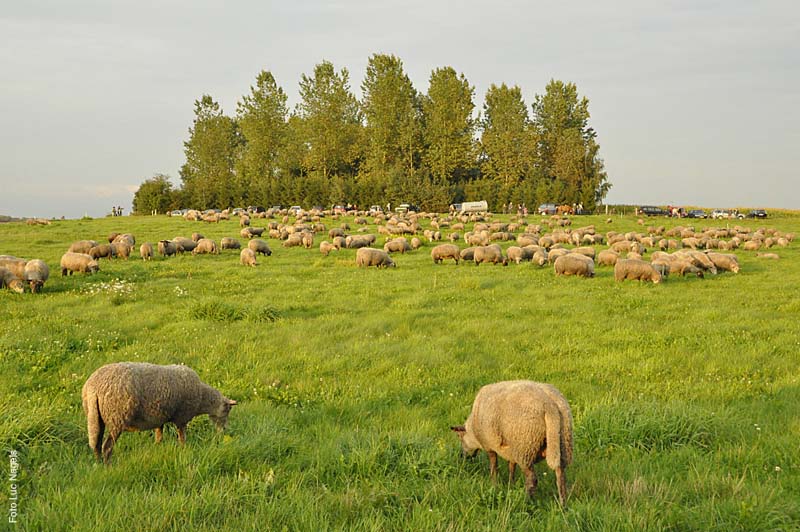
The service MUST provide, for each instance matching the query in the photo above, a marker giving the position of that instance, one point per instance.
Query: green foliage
(154, 195)
(684, 394)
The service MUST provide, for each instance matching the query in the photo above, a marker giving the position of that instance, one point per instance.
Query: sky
(695, 102)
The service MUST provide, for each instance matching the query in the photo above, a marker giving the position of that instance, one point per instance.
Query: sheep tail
(552, 421)
(94, 422)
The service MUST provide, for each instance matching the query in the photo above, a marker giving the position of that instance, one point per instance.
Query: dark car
(649, 210)
(757, 213)
(696, 213)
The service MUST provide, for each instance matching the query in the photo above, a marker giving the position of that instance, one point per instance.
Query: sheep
(773, 256)
(587, 251)
(374, 257)
(229, 243)
(633, 255)
(490, 254)
(36, 274)
(184, 244)
(416, 243)
(574, 264)
(167, 248)
(103, 251)
(699, 259)
(293, 240)
(197, 237)
(146, 251)
(359, 241)
(121, 249)
(127, 238)
(396, 245)
(527, 240)
(724, 261)
(78, 262)
(467, 254)
(336, 231)
(326, 247)
(253, 232)
(307, 239)
(112, 236)
(445, 251)
(607, 257)
(682, 266)
(339, 242)
(555, 253)
(635, 270)
(524, 422)
(518, 254)
(662, 267)
(244, 221)
(454, 237)
(248, 257)
(539, 257)
(259, 246)
(82, 246)
(205, 245)
(137, 396)
(11, 281)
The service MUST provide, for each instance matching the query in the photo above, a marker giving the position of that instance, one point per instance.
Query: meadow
(685, 394)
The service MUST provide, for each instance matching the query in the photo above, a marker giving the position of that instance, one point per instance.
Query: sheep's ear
(459, 428)
(231, 402)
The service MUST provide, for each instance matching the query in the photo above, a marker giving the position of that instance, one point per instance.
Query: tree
(331, 120)
(154, 195)
(393, 132)
(209, 176)
(262, 116)
(449, 127)
(507, 143)
(568, 153)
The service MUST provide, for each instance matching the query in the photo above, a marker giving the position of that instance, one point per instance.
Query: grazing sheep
(699, 259)
(633, 255)
(683, 267)
(607, 257)
(524, 422)
(339, 242)
(467, 254)
(724, 261)
(167, 248)
(416, 243)
(574, 264)
(773, 256)
(586, 251)
(374, 257)
(662, 267)
(244, 221)
(82, 246)
(103, 251)
(635, 270)
(307, 239)
(229, 243)
(184, 244)
(146, 251)
(197, 237)
(293, 240)
(259, 246)
(205, 245)
(336, 231)
(121, 249)
(539, 257)
(11, 281)
(139, 396)
(517, 254)
(445, 251)
(326, 247)
(248, 257)
(359, 241)
(36, 274)
(752, 245)
(554, 253)
(490, 254)
(127, 238)
(397, 245)
(454, 237)
(78, 262)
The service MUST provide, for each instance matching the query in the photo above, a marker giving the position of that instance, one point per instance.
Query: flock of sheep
(521, 421)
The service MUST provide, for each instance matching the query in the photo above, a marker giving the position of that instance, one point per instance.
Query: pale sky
(695, 102)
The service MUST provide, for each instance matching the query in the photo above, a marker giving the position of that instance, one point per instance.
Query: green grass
(685, 395)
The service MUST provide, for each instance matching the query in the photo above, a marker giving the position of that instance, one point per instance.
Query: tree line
(394, 145)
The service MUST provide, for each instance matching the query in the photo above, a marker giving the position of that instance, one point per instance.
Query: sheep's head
(469, 445)
(36, 286)
(219, 414)
(16, 285)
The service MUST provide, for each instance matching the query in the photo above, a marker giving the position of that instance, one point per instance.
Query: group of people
(116, 211)
(522, 209)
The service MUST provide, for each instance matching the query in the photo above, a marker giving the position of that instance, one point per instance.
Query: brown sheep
(574, 264)
(259, 246)
(247, 257)
(490, 254)
(82, 246)
(445, 251)
(102, 251)
(229, 243)
(167, 248)
(11, 281)
(205, 245)
(146, 251)
(635, 270)
(366, 257)
(607, 257)
(724, 261)
(78, 262)
(326, 247)
(397, 245)
(467, 254)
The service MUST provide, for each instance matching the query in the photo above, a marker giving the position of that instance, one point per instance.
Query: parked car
(649, 210)
(406, 207)
(375, 209)
(696, 213)
(547, 208)
(339, 209)
(757, 213)
(724, 214)
(295, 209)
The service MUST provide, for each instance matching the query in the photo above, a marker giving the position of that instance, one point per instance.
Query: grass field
(685, 395)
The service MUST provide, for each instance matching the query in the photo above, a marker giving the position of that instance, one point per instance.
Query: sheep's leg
(561, 480)
(159, 433)
(108, 445)
(530, 479)
(493, 466)
(512, 468)
(96, 438)
(182, 434)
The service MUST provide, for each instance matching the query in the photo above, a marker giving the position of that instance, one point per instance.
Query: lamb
(724, 261)
(607, 257)
(490, 254)
(103, 251)
(229, 243)
(167, 248)
(78, 262)
(137, 396)
(36, 274)
(82, 246)
(574, 264)
(121, 249)
(259, 246)
(397, 245)
(11, 281)
(248, 257)
(146, 251)
(635, 270)
(524, 422)
(445, 251)
(326, 247)
(374, 257)
(205, 245)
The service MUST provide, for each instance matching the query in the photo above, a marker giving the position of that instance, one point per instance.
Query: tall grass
(684, 394)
